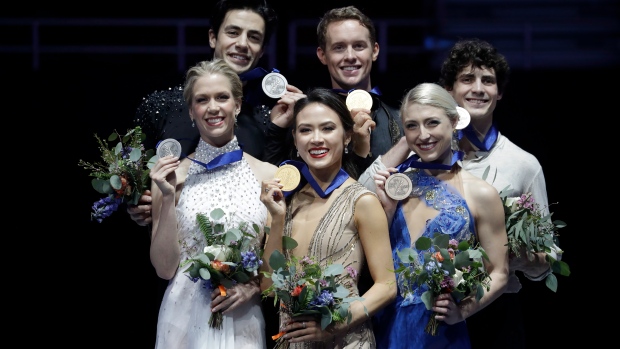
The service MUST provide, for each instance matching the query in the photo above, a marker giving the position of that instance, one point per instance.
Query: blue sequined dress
(402, 323)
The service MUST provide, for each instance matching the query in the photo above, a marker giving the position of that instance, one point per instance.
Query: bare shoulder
(479, 189)
(262, 170)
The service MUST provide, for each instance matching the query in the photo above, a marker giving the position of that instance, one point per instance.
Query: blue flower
(324, 299)
(250, 261)
(104, 208)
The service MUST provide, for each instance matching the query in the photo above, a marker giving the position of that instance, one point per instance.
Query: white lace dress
(186, 306)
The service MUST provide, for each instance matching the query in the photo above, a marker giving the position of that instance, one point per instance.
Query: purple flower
(250, 261)
(104, 208)
(125, 152)
(352, 272)
(324, 299)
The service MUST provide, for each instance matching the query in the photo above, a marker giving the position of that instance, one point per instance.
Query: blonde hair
(215, 66)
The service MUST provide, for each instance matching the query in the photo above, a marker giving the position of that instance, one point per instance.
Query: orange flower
(219, 266)
(438, 256)
(297, 291)
(222, 290)
(278, 335)
(123, 187)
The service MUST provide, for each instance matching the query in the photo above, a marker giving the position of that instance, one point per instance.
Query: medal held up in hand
(289, 177)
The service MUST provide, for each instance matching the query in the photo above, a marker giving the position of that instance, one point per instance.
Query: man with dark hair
(239, 33)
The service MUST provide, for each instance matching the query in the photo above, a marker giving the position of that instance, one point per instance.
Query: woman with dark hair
(334, 219)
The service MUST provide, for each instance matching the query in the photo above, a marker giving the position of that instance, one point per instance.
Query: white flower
(458, 278)
(219, 251)
(511, 202)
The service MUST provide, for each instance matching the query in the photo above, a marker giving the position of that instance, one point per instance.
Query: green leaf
(441, 240)
(407, 255)
(461, 260)
(115, 182)
(135, 154)
(152, 161)
(241, 277)
(233, 234)
(423, 243)
(113, 137)
(427, 298)
(277, 260)
(326, 317)
(552, 282)
(204, 259)
(333, 269)
(560, 267)
(217, 214)
(341, 292)
(118, 148)
(204, 273)
(288, 243)
(102, 186)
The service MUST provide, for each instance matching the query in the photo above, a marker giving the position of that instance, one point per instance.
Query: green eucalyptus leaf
(204, 273)
(427, 299)
(115, 182)
(135, 154)
(407, 255)
(423, 243)
(102, 186)
(552, 282)
(277, 260)
(118, 148)
(333, 269)
(288, 243)
(326, 317)
(441, 240)
(113, 137)
(217, 214)
(152, 161)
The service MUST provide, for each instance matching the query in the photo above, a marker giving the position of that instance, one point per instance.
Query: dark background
(71, 72)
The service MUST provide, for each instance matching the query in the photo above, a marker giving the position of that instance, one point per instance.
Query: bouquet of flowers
(531, 231)
(231, 256)
(303, 287)
(445, 266)
(124, 173)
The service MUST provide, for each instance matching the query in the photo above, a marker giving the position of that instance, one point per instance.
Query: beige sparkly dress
(335, 240)
(186, 306)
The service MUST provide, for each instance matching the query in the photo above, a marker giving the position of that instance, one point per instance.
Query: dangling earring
(298, 153)
(193, 123)
(346, 149)
(236, 113)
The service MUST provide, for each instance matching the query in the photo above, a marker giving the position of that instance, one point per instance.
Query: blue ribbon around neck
(489, 138)
(222, 159)
(340, 178)
(412, 161)
(374, 90)
(255, 74)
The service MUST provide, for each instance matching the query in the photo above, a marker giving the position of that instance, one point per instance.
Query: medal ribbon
(412, 161)
(374, 90)
(489, 138)
(221, 160)
(340, 178)
(255, 74)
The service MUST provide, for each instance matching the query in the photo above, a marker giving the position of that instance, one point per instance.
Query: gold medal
(359, 99)
(289, 177)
